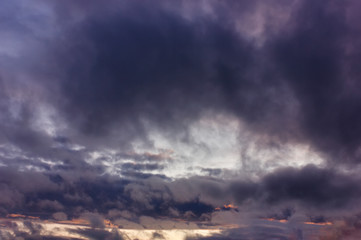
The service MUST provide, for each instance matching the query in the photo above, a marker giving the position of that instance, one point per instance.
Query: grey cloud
(153, 65)
(167, 87)
(115, 73)
(60, 216)
(137, 166)
(313, 58)
(122, 70)
(311, 189)
(99, 234)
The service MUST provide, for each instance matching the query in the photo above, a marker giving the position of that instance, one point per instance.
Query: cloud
(101, 109)
(311, 190)
(321, 188)
(150, 65)
(60, 216)
(98, 234)
(120, 72)
(313, 58)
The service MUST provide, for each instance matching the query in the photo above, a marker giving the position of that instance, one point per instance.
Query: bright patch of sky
(214, 142)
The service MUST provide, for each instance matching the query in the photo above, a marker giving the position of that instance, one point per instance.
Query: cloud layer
(172, 109)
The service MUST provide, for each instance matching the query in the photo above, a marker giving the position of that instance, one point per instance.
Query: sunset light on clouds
(180, 119)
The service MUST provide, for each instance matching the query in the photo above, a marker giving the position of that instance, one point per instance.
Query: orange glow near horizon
(277, 220)
(109, 224)
(15, 215)
(226, 206)
(319, 224)
(80, 221)
(75, 221)
(230, 206)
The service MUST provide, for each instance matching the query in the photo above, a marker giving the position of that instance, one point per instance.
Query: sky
(181, 119)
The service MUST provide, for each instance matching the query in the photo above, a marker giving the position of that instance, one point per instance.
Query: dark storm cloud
(313, 191)
(118, 69)
(123, 69)
(144, 66)
(310, 189)
(116, 72)
(148, 64)
(316, 59)
(321, 188)
(139, 65)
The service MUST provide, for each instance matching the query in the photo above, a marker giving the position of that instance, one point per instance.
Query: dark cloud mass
(149, 64)
(181, 114)
(314, 56)
(310, 187)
